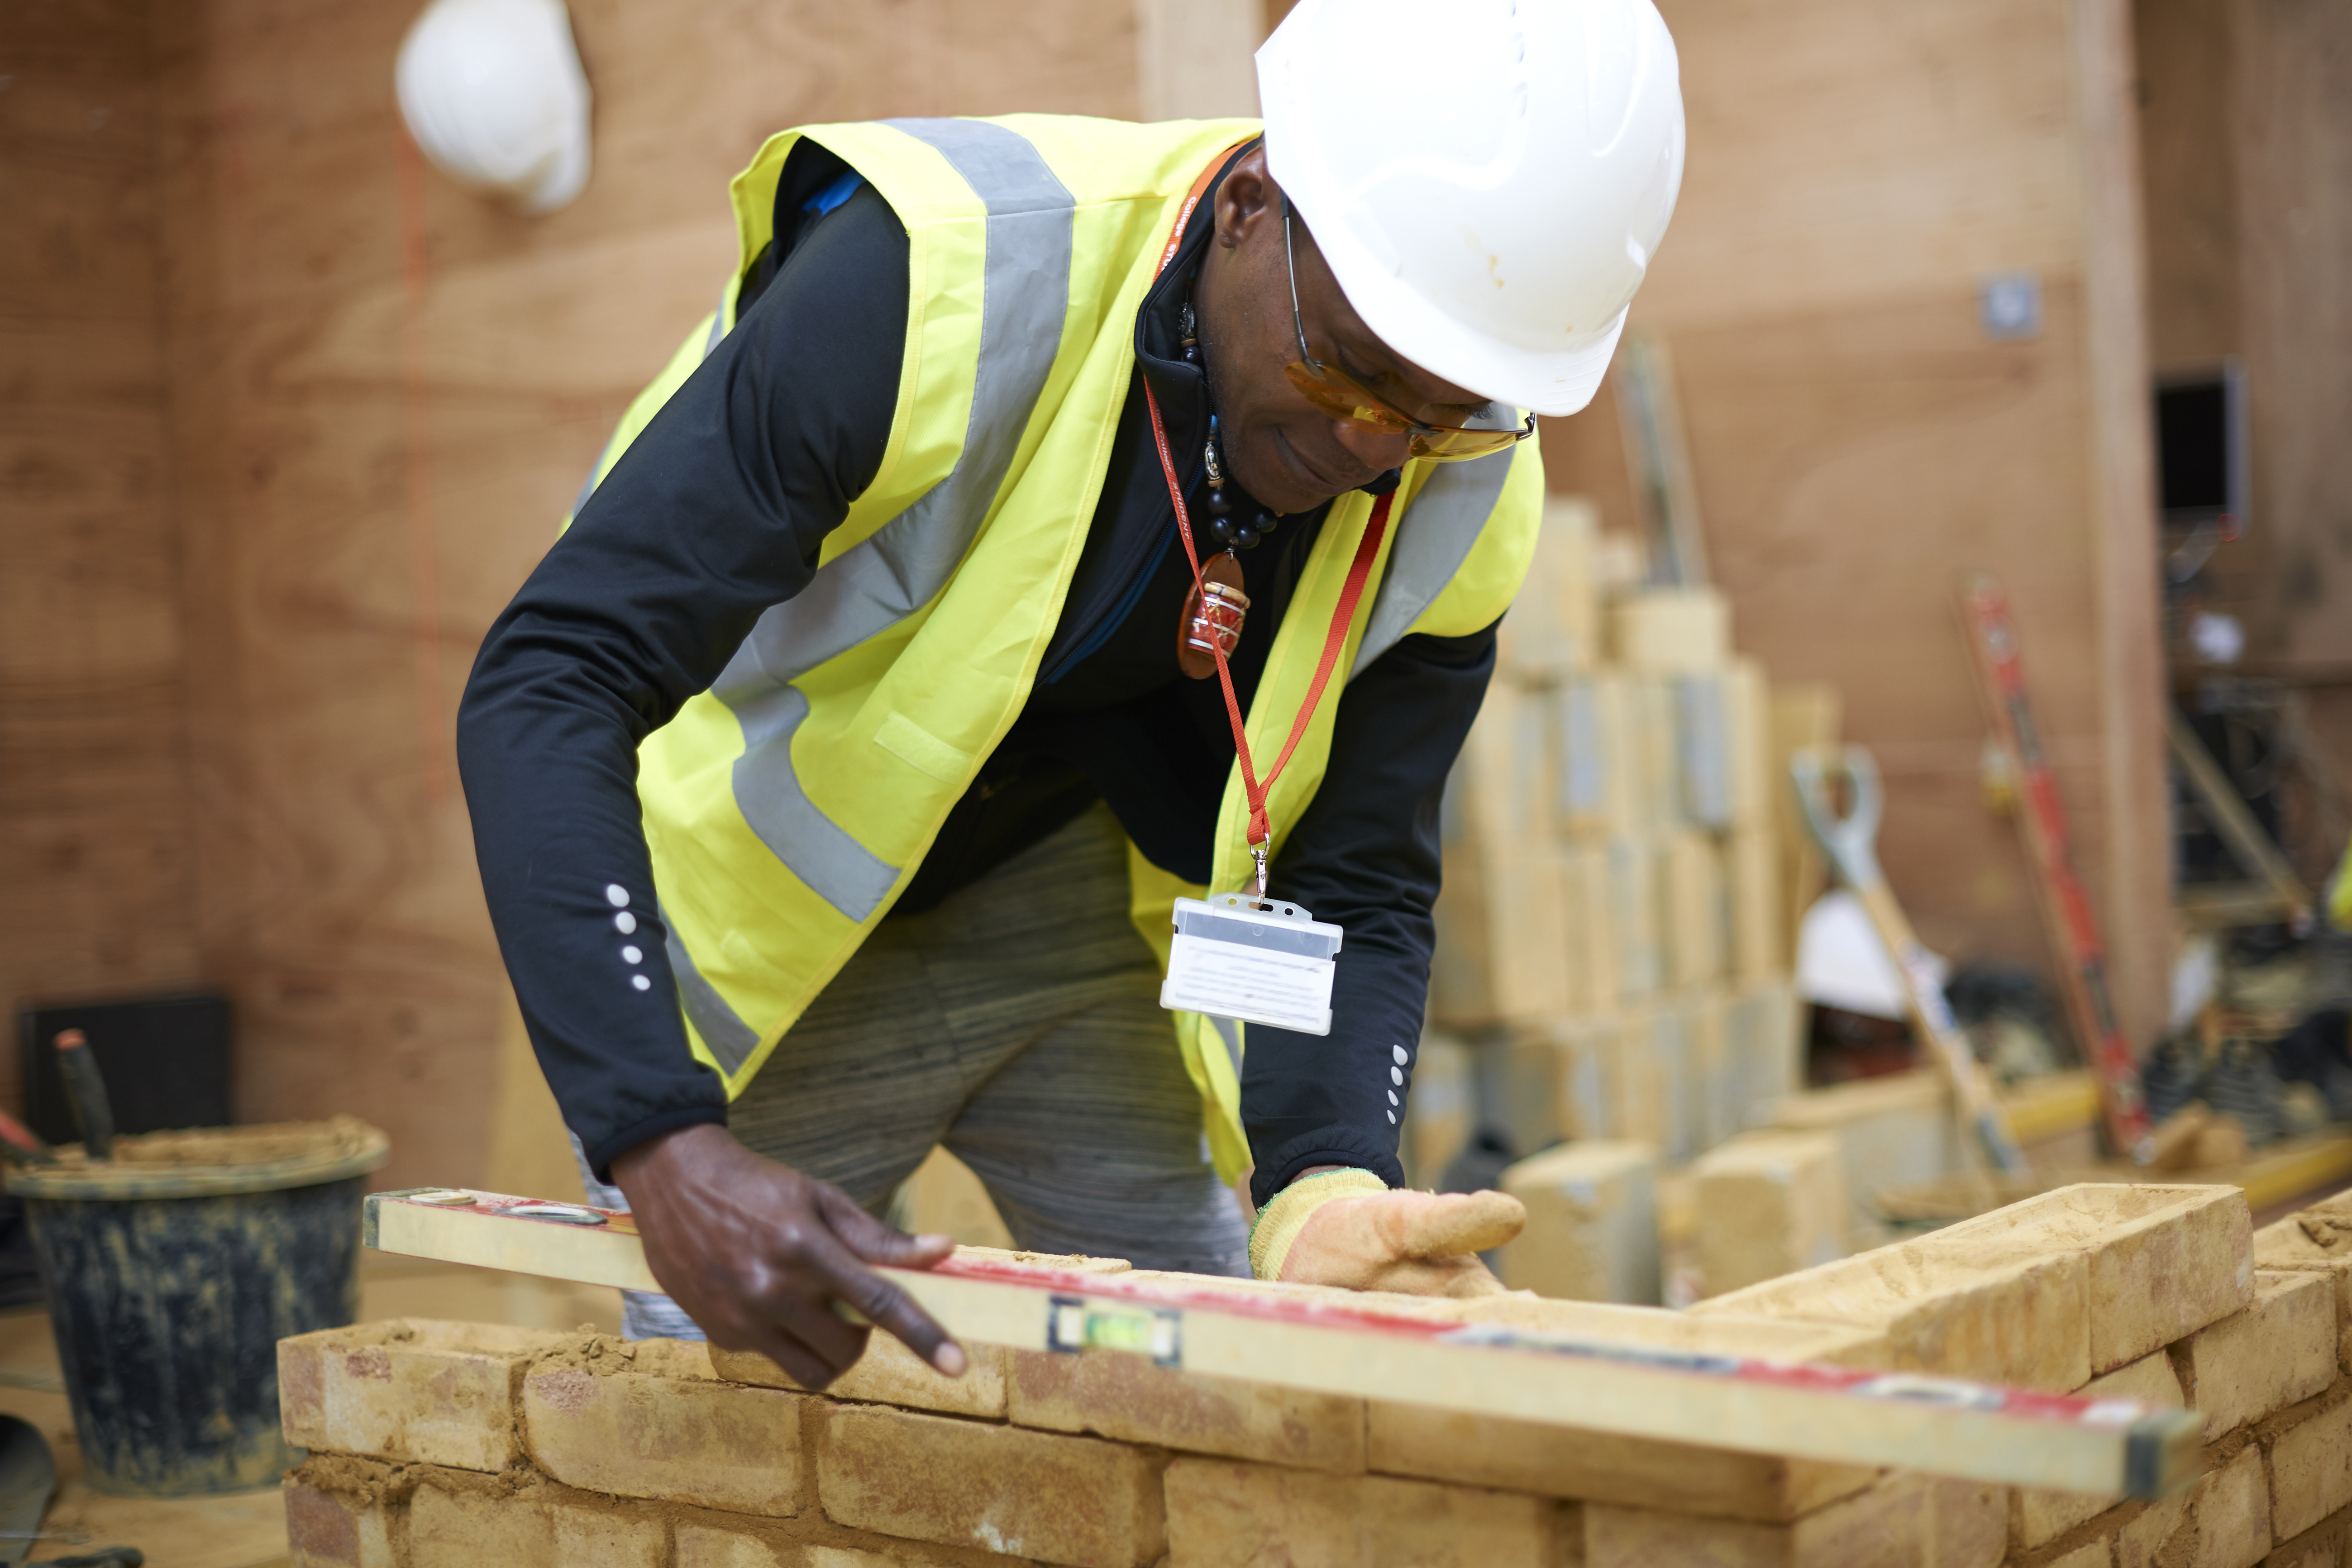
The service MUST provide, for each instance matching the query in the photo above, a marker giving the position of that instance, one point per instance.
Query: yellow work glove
(1347, 1228)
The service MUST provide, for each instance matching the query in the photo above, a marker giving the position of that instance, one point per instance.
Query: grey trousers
(1019, 1023)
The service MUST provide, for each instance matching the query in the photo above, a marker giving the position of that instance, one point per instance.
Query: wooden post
(2138, 869)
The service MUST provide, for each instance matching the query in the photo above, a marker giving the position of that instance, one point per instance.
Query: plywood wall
(2246, 130)
(226, 744)
(2290, 102)
(97, 884)
(1855, 170)
(373, 453)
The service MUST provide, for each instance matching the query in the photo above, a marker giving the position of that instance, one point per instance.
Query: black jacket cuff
(1324, 1146)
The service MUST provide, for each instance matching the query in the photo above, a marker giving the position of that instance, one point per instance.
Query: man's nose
(1377, 450)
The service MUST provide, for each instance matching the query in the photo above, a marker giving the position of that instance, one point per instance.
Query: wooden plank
(1322, 1343)
(98, 891)
(2137, 921)
(2289, 126)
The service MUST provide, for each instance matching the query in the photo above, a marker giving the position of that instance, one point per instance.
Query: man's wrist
(667, 1150)
(1279, 1223)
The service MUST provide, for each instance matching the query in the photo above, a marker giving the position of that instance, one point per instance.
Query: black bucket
(171, 1281)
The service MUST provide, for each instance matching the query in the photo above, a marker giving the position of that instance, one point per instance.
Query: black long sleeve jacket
(718, 510)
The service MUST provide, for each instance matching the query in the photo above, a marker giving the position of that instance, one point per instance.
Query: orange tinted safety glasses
(1343, 397)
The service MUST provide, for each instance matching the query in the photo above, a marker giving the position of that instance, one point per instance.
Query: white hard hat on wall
(493, 92)
(1490, 196)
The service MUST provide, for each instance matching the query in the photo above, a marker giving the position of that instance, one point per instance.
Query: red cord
(1359, 572)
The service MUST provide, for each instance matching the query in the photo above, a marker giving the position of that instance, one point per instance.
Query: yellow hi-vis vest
(787, 807)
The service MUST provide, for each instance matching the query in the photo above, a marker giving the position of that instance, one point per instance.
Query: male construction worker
(1058, 518)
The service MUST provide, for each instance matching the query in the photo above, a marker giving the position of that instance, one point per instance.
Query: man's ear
(1246, 197)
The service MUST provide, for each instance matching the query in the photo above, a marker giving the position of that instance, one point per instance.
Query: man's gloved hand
(1347, 1228)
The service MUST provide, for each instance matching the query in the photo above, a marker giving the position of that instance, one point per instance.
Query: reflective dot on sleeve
(624, 922)
(616, 895)
(632, 954)
(641, 983)
(1402, 1059)
(1396, 1076)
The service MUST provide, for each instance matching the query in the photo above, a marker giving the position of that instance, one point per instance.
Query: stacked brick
(435, 1445)
(1611, 958)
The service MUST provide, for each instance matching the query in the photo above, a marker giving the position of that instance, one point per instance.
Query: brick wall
(442, 1444)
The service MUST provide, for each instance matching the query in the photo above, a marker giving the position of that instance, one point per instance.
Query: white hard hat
(1486, 178)
(493, 92)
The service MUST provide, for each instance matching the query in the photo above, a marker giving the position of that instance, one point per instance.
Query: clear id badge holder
(1260, 961)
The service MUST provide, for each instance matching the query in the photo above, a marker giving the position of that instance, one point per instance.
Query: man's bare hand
(757, 1253)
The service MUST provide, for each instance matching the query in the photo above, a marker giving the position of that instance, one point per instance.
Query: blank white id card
(1260, 961)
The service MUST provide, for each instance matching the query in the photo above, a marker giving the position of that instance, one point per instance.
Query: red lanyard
(1359, 570)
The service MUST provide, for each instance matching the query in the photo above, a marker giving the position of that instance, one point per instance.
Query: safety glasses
(1343, 397)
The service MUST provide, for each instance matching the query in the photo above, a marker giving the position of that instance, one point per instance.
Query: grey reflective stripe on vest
(1230, 1033)
(904, 564)
(1433, 538)
(588, 485)
(731, 1039)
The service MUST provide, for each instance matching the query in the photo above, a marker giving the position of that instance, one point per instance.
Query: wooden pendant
(1202, 632)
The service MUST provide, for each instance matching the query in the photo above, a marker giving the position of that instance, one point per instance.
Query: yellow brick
(2098, 1554)
(1125, 1397)
(1596, 776)
(2279, 1351)
(1502, 780)
(1711, 1108)
(709, 1546)
(1674, 630)
(1554, 627)
(2319, 1241)
(1751, 869)
(1891, 1131)
(2144, 1534)
(1592, 1223)
(2222, 1522)
(1630, 866)
(713, 1545)
(2311, 1470)
(1769, 1204)
(330, 1530)
(1596, 976)
(1693, 914)
(1997, 1315)
(1071, 1501)
(533, 1529)
(683, 1439)
(888, 1373)
(2164, 1261)
(2323, 1546)
(1227, 1515)
(408, 1389)
(2037, 1516)
(1904, 1520)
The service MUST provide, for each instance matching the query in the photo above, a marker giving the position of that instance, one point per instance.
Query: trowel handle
(85, 1091)
(1850, 841)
